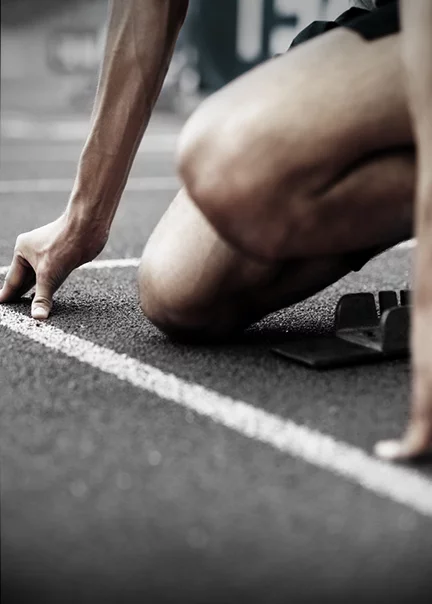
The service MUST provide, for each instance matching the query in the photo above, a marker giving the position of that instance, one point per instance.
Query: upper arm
(417, 58)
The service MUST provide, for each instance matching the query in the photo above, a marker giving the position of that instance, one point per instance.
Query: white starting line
(398, 484)
(98, 264)
(71, 153)
(76, 132)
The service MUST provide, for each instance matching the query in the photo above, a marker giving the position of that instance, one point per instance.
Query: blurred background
(51, 49)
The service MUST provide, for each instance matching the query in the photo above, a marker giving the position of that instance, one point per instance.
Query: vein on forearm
(139, 44)
(138, 48)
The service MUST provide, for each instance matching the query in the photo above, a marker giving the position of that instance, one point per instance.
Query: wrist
(98, 187)
(85, 225)
(83, 209)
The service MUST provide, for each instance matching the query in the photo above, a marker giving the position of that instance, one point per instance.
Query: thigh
(191, 269)
(300, 120)
(191, 278)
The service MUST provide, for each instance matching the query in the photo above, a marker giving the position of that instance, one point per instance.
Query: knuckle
(48, 275)
(42, 301)
(10, 279)
(45, 272)
(43, 275)
(19, 241)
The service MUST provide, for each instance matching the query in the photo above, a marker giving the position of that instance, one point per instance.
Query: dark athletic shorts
(371, 25)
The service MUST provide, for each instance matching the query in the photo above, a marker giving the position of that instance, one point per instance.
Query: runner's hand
(418, 437)
(46, 256)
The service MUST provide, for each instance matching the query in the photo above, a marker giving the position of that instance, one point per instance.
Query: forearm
(417, 57)
(140, 40)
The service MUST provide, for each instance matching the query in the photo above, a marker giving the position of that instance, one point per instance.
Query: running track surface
(139, 470)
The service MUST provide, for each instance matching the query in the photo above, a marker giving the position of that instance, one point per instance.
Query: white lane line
(98, 264)
(75, 131)
(61, 153)
(64, 185)
(400, 485)
(111, 263)
(60, 130)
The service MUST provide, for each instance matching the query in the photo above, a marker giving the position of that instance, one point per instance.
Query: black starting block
(363, 334)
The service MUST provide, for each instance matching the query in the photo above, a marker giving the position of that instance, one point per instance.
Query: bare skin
(140, 42)
(274, 177)
(200, 287)
(417, 56)
(280, 169)
(203, 285)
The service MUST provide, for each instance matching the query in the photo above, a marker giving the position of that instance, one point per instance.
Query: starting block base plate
(326, 352)
(361, 333)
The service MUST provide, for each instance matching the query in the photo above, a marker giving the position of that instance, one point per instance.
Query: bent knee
(211, 159)
(242, 187)
(182, 316)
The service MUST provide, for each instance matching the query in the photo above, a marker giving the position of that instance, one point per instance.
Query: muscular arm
(417, 58)
(139, 45)
(140, 42)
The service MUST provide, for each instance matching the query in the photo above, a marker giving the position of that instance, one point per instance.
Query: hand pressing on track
(45, 257)
(416, 50)
(139, 45)
(417, 440)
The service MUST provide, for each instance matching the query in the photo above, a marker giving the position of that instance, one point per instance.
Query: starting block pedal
(363, 333)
